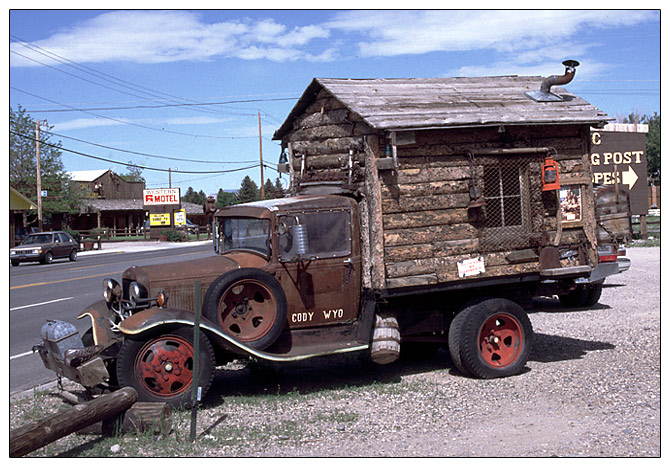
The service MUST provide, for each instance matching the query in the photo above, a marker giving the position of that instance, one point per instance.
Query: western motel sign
(618, 157)
(160, 196)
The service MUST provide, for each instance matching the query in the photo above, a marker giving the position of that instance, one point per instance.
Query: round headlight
(134, 292)
(111, 290)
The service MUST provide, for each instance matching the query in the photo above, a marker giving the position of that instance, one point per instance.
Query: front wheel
(490, 339)
(160, 368)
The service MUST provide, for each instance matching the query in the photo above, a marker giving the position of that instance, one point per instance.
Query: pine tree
(269, 189)
(248, 191)
(224, 198)
(279, 189)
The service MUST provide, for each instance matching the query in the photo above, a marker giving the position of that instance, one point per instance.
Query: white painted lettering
(335, 314)
(596, 139)
(638, 156)
(595, 158)
(302, 317)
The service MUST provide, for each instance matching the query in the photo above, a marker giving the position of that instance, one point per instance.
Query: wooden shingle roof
(423, 103)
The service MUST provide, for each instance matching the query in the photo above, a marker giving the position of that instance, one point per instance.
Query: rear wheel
(73, 255)
(160, 367)
(249, 305)
(490, 339)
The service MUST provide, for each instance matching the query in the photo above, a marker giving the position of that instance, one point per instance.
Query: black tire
(73, 255)
(585, 295)
(160, 366)
(15, 263)
(48, 258)
(249, 305)
(490, 339)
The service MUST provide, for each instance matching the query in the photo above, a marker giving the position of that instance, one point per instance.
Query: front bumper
(25, 257)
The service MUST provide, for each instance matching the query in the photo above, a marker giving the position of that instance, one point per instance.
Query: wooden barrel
(385, 340)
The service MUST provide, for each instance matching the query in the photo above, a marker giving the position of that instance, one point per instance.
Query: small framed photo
(571, 203)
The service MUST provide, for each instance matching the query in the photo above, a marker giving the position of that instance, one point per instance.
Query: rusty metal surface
(319, 291)
(100, 316)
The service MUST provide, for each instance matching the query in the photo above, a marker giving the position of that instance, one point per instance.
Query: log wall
(416, 217)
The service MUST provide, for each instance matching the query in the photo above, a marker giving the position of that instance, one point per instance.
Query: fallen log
(142, 417)
(28, 438)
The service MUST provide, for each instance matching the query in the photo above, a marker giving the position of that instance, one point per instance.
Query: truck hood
(179, 279)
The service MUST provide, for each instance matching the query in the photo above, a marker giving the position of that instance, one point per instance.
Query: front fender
(101, 318)
(155, 318)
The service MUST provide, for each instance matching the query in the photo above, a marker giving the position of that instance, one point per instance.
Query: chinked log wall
(416, 216)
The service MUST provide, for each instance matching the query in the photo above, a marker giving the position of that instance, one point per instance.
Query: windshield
(37, 238)
(245, 234)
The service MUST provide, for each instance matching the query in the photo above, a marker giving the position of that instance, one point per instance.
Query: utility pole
(260, 145)
(39, 175)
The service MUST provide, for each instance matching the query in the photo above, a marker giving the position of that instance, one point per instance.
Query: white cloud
(392, 33)
(82, 123)
(170, 36)
(521, 36)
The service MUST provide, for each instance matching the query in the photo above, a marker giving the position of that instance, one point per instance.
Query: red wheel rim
(165, 365)
(500, 340)
(247, 310)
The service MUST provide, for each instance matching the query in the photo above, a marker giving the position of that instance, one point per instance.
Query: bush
(174, 236)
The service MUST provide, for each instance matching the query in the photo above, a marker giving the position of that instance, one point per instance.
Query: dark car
(44, 247)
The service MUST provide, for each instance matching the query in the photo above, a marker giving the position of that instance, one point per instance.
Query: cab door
(319, 266)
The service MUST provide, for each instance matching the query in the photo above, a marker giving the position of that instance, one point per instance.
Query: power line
(148, 155)
(127, 164)
(176, 100)
(91, 71)
(130, 123)
(141, 107)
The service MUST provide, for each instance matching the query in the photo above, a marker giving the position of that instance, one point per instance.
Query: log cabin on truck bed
(449, 173)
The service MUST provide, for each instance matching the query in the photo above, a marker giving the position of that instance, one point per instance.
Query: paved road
(63, 289)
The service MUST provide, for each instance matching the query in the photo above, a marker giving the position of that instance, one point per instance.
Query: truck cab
(310, 247)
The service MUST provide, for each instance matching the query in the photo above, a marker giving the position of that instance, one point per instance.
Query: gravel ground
(591, 388)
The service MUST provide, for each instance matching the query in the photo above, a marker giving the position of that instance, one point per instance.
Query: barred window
(506, 191)
(502, 191)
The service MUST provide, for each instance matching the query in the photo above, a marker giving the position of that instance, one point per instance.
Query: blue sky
(183, 89)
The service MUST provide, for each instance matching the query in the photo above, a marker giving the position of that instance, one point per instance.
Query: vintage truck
(422, 213)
